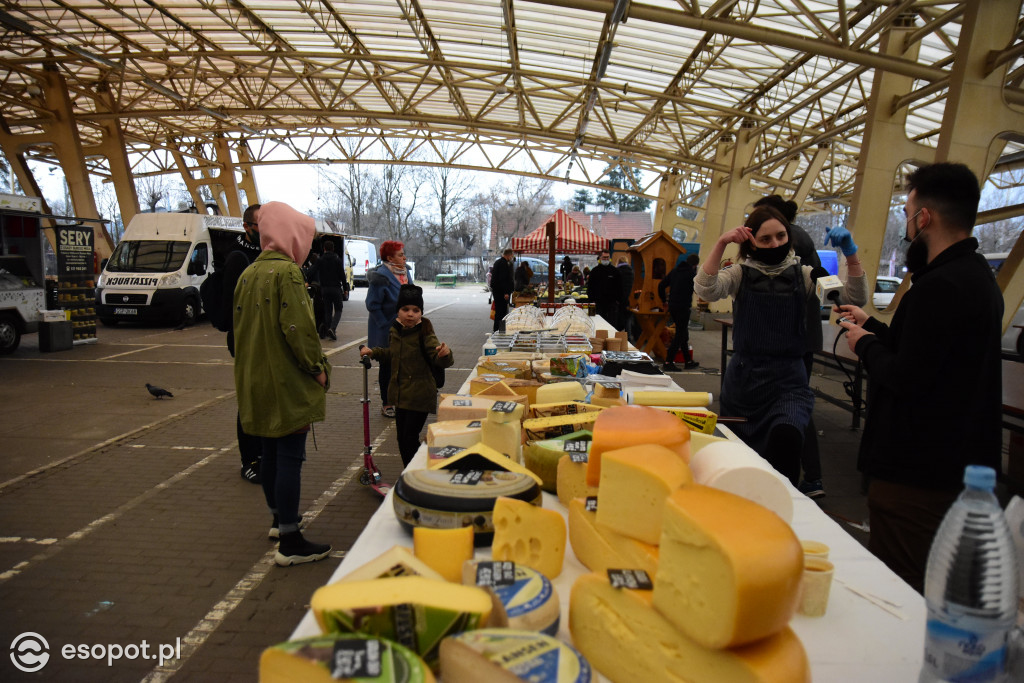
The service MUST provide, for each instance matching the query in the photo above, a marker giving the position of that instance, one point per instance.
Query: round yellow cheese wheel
(624, 426)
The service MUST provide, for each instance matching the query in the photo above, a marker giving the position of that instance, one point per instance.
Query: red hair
(389, 249)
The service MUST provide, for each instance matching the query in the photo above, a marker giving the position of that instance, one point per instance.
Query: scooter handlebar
(365, 360)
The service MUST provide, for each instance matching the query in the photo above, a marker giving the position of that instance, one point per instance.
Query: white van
(363, 256)
(156, 269)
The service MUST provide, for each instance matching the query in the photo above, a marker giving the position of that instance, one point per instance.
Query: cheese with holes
(549, 427)
(482, 457)
(560, 392)
(313, 660)
(530, 535)
(411, 610)
(541, 457)
(635, 482)
(523, 597)
(398, 561)
(626, 426)
(601, 549)
(626, 639)
(458, 433)
(571, 480)
(511, 656)
(458, 407)
(730, 569)
(444, 550)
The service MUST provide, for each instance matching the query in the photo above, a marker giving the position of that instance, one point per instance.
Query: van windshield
(148, 256)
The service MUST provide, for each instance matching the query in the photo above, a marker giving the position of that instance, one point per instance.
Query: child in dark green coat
(413, 349)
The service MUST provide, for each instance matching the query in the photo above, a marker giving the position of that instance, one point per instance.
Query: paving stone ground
(123, 519)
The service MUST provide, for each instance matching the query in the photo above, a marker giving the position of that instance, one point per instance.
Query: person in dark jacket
(244, 252)
(935, 389)
(329, 271)
(604, 288)
(385, 283)
(565, 268)
(503, 283)
(523, 276)
(679, 282)
(412, 346)
(803, 245)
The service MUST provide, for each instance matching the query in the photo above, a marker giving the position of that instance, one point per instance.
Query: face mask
(771, 256)
(605, 262)
(917, 255)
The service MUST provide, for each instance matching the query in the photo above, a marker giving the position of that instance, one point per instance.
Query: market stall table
(873, 629)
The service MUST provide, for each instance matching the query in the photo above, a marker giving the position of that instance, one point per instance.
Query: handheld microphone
(828, 289)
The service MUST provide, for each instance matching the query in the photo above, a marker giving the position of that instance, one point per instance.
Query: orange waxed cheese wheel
(625, 426)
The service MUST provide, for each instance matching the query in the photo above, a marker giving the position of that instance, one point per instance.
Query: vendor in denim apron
(766, 379)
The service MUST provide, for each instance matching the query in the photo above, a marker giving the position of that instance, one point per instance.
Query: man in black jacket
(329, 271)
(935, 390)
(679, 283)
(502, 286)
(244, 252)
(604, 288)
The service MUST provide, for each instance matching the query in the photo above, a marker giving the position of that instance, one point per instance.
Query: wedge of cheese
(530, 535)
(538, 428)
(499, 391)
(411, 610)
(482, 457)
(560, 392)
(467, 408)
(444, 550)
(541, 457)
(607, 402)
(398, 561)
(730, 569)
(481, 382)
(571, 480)
(524, 387)
(601, 549)
(626, 639)
(313, 660)
(625, 426)
(523, 597)
(502, 430)
(511, 656)
(635, 482)
(458, 433)
(561, 408)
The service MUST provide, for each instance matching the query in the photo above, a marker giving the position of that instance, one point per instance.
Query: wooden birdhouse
(652, 257)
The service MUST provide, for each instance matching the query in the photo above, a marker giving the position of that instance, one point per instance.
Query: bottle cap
(980, 477)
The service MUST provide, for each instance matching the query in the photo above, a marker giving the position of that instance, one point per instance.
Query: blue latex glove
(841, 238)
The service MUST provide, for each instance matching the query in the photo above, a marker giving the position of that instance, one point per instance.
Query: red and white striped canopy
(570, 238)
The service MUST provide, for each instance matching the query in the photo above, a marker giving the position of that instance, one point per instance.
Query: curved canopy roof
(562, 89)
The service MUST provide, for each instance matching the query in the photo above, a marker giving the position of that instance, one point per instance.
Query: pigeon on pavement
(158, 392)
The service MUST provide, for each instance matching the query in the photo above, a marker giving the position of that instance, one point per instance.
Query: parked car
(885, 289)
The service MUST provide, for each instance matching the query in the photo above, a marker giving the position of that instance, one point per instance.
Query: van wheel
(10, 337)
(189, 311)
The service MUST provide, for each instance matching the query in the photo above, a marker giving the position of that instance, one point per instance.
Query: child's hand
(365, 350)
(443, 350)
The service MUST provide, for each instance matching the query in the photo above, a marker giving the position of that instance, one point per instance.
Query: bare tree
(451, 189)
(152, 189)
(519, 209)
(397, 196)
(355, 184)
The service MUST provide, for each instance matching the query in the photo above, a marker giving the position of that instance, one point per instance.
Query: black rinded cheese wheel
(431, 498)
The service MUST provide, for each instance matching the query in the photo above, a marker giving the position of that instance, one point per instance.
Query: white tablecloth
(875, 634)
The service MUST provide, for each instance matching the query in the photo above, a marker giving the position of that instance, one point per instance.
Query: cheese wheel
(735, 467)
(730, 569)
(625, 639)
(312, 660)
(529, 534)
(444, 550)
(541, 457)
(635, 482)
(600, 549)
(398, 561)
(625, 426)
(510, 656)
(411, 610)
(482, 457)
(700, 399)
(525, 600)
(560, 392)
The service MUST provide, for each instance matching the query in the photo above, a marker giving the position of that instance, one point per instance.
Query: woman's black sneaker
(294, 549)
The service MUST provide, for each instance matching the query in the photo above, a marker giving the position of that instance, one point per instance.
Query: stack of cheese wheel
(737, 468)
(723, 571)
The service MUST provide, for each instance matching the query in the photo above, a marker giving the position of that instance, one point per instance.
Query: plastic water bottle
(489, 347)
(970, 588)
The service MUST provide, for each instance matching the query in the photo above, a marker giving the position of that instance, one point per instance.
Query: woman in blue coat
(382, 302)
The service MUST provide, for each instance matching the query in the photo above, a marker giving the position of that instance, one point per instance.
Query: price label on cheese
(504, 407)
(447, 452)
(462, 402)
(612, 385)
(576, 456)
(495, 573)
(467, 477)
(633, 579)
(577, 449)
(475, 424)
(356, 658)
(590, 505)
